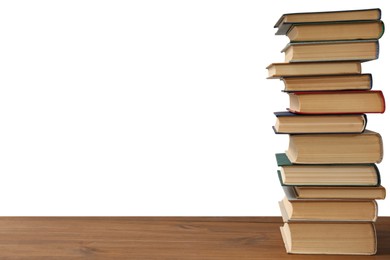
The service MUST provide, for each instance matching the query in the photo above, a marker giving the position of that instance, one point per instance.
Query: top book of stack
(331, 26)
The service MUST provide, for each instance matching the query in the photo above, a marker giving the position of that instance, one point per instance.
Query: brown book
(339, 192)
(278, 70)
(366, 147)
(362, 30)
(347, 238)
(328, 82)
(337, 102)
(291, 123)
(331, 51)
(286, 20)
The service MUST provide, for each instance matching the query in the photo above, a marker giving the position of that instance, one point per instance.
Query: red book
(337, 102)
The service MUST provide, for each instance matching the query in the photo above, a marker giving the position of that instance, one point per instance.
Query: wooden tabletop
(159, 238)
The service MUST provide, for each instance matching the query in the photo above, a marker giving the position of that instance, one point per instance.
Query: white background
(149, 107)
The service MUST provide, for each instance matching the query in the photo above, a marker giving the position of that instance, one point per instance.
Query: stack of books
(329, 171)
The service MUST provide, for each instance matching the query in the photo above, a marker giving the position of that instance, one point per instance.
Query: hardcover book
(328, 82)
(327, 210)
(344, 238)
(336, 31)
(339, 192)
(291, 123)
(280, 70)
(337, 102)
(366, 147)
(362, 50)
(287, 20)
(326, 174)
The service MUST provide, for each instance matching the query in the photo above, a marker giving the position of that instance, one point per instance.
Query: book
(339, 192)
(363, 50)
(278, 70)
(291, 123)
(328, 82)
(286, 20)
(328, 210)
(347, 238)
(366, 147)
(326, 174)
(337, 102)
(336, 31)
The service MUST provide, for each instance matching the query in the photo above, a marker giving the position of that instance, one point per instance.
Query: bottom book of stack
(349, 238)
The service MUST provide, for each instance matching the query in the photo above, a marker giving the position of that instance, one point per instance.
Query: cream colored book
(326, 174)
(331, 51)
(297, 209)
(328, 82)
(291, 123)
(279, 70)
(286, 20)
(337, 102)
(361, 30)
(339, 192)
(366, 147)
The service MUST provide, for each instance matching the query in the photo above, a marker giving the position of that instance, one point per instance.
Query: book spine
(377, 50)
(383, 29)
(364, 122)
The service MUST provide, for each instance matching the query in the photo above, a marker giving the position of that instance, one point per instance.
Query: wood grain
(155, 238)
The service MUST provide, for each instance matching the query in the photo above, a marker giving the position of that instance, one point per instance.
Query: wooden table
(159, 238)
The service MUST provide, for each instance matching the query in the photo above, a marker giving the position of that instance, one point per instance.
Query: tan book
(339, 192)
(366, 147)
(286, 20)
(326, 174)
(328, 210)
(346, 238)
(362, 30)
(328, 82)
(337, 102)
(316, 209)
(291, 123)
(278, 70)
(331, 51)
